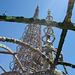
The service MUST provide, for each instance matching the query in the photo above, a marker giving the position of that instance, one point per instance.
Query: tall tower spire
(36, 12)
(32, 36)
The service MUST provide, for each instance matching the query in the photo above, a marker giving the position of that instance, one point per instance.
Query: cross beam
(21, 19)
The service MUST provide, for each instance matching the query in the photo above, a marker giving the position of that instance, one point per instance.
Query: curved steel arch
(36, 50)
(7, 48)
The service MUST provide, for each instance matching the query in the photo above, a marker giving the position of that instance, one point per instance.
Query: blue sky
(27, 8)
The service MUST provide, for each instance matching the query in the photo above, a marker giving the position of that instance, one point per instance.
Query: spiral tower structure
(32, 36)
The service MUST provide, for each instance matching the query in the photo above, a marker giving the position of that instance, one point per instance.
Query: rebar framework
(32, 62)
(32, 36)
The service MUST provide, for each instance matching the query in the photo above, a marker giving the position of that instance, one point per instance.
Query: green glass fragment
(31, 19)
(35, 49)
(17, 21)
(62, 63)
(50, 62)
(60, 24)
(31, 46)
(0, 16)
(9, 17)
(48, 39)
(8, 39)
(70, 7)
(20, 18)
(70, 16)
(73, 66)
(17, 41)
(4, 17)
(65, 64)
(17, 17)
(37, 20)
(23, 43)
(43, 20)
(7, 21)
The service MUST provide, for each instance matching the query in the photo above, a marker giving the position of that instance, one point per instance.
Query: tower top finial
(38, 5)
(49, 11)
(49, 17)
(36, 12)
